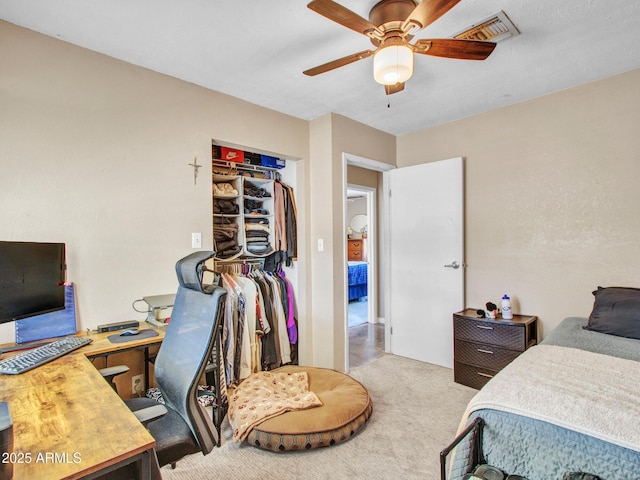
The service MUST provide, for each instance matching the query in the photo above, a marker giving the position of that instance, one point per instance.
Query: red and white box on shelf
(227, 154)
(231, 155)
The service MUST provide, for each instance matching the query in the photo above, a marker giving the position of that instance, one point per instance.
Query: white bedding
(551, 383)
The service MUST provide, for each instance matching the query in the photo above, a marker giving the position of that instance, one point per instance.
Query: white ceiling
(256, 50)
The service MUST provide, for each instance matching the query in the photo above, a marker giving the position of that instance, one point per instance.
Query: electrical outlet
(137, 384)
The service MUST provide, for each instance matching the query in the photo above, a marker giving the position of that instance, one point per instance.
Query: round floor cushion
(345, 409)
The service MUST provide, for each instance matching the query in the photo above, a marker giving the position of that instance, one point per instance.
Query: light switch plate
(196, 240)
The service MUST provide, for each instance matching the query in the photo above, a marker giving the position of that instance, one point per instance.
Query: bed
(545, 415)
(357, 279)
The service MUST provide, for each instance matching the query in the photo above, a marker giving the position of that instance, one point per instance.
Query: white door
(426, 264)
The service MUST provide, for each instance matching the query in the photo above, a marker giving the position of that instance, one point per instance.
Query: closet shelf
(216, 162)
(258, 199)
(250, 232)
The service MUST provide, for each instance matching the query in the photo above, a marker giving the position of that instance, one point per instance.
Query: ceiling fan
(391, 26)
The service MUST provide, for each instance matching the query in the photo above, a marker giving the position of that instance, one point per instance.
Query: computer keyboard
(25, 361)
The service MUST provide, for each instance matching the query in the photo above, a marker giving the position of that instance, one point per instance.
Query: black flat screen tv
(32, 276)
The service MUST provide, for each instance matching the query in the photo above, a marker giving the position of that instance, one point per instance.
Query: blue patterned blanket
(357, 279)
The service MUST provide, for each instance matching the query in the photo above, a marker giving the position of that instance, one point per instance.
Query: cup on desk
(6, 443)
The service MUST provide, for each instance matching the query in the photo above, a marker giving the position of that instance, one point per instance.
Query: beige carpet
(416, 410)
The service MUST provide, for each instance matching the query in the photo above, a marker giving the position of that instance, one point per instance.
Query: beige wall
(362, 176)
(552, 200)
(94, 152)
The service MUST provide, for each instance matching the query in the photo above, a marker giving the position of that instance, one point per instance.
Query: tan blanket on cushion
(266, 394)
(588, 392)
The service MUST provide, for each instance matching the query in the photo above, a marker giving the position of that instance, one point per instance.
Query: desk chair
(191, 335)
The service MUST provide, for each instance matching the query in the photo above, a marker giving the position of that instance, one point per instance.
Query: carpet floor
(416, 411)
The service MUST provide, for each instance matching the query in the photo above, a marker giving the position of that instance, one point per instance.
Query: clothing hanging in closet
(285, 228)
(260, 327)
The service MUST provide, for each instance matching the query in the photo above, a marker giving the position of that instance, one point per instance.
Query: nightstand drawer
(472, 376)
(356, 250)
(483, 355)
(355, 244)
(506, 335)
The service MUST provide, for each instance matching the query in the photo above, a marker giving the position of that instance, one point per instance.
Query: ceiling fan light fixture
(393, 64)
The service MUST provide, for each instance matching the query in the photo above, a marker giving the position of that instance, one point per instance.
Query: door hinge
(391, 331)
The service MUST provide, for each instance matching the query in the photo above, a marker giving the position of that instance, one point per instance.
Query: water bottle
(506, 308)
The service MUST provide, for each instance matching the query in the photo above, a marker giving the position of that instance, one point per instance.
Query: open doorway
(365, 177)
(366, 332)
(359, 257)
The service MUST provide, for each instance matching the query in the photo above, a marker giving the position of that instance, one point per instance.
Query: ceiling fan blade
(454, 48)
(343, 16)
(391, 89)
(341, 62)
(427, 12)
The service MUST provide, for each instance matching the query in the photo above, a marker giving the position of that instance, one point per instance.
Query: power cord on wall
(137, 386)
(133, 305)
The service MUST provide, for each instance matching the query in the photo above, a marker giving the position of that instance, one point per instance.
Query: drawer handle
(484, 375)
(484, 327)
(485, 351)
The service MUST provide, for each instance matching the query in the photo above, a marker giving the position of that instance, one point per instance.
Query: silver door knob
(453, 265)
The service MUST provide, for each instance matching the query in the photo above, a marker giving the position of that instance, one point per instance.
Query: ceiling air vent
(496, 28)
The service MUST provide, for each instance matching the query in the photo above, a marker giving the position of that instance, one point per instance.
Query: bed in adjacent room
(570, 404)
(357, 279)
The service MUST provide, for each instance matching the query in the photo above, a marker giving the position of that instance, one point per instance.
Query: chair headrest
(190, 270)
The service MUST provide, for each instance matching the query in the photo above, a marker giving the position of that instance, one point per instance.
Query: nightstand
(483, 346)
(356, 249)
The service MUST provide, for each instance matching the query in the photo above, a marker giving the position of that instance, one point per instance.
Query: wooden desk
(102, 346)
(68, 422)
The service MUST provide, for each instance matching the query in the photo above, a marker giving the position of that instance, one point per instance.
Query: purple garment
(291, 323)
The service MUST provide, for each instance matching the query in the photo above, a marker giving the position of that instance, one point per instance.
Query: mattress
(570, 333)
(540, 450)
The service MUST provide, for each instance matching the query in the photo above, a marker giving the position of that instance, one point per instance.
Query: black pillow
(616, 311)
